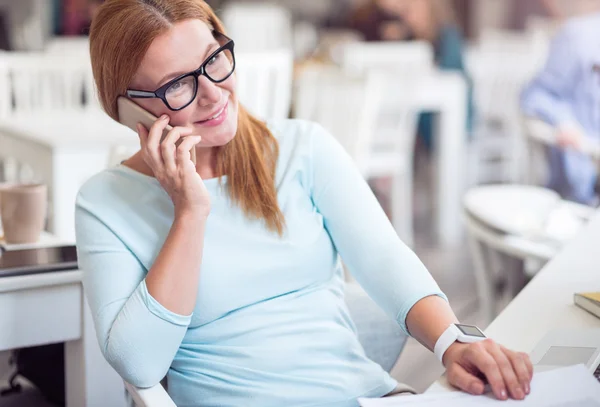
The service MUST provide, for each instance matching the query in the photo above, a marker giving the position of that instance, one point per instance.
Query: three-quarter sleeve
(369, 246)
(138, 336)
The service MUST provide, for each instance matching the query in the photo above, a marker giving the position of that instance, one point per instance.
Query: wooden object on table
(589, 302)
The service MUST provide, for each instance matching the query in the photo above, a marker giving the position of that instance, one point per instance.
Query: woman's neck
(206, 162)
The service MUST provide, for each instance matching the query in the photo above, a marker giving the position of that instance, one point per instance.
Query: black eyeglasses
(178, 93)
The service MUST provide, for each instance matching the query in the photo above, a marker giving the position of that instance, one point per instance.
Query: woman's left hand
(469, 366)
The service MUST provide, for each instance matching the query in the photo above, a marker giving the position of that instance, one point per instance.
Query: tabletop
(546, 303)
(69, 128)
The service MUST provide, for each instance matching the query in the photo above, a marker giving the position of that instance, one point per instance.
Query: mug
(23, 209)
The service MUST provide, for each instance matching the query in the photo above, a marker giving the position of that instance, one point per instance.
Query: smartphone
(35, 261)
(130, 114)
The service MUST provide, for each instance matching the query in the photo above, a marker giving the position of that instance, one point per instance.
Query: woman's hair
(120, 36)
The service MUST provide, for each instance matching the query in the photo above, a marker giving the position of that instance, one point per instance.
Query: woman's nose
(209, 93)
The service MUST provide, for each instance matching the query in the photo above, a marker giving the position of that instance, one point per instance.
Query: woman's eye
(214, 59)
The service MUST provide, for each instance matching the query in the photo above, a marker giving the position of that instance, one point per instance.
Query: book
(589, 302)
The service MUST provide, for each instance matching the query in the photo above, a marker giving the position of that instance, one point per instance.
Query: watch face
(470, 330)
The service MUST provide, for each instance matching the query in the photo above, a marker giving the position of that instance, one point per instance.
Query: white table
(446, 93)
(50, 308)
(546, 303)
(64, 149)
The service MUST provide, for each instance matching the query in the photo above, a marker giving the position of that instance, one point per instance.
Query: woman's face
(181, 50)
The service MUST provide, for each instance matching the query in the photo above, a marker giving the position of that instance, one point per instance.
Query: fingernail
(527, 389)
(164, 117)
(503, 394)
(476, 388)
(519, 394)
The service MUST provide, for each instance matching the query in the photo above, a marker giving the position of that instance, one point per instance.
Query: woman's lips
(215, 121)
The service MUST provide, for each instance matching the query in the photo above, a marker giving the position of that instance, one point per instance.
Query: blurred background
(425, 95)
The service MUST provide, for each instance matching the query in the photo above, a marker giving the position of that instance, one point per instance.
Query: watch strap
(447, 338)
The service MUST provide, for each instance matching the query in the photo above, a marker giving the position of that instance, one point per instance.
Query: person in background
(428, 20)
(566, 94)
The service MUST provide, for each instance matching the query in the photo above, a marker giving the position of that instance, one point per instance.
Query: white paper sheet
(564, 387)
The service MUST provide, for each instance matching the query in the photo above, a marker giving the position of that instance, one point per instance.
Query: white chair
(498, 149)
(351, 107)
(38, 82)
(258, 26)
(264, 82)
(405, 64)
(358, 57)
(76, 45)
(509, 225)
(381, 338)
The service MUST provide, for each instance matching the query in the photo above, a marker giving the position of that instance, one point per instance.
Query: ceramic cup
(23, 209)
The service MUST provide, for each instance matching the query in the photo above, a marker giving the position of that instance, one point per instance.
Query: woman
(427, 20)
(225, 275)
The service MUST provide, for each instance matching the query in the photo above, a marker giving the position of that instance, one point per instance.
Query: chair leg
(13, 386)
(402, 207)
(483, 279)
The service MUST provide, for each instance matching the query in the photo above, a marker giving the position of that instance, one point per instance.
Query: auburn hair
(120, 35)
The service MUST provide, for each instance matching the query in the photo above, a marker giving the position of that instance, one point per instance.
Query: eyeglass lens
(184, 90)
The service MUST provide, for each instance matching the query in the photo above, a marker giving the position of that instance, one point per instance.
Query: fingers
(143, 134)
(168, 147)
(479, 356)
(529, 365)
(522, 367)
(154, 139)
(508, 372)
(462, 379)
(183, 151)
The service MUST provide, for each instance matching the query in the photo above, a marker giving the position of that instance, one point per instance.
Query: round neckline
(210, 182)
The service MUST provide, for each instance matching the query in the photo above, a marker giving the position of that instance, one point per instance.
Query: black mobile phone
(35, 261)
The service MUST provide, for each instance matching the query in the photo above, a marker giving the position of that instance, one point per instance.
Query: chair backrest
(544, 27)
(346, 105)
(258, 26)
(404, 65)
(78, 45)
(38, 82)
(358, 57)
(264, 82)
(500, 65)
(539, 136)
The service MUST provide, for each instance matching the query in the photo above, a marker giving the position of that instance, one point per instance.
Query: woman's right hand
(173, 167)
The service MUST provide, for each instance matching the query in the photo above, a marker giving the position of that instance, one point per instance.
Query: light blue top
(270, 326)
(568, 91)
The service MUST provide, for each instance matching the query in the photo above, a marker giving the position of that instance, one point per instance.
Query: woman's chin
(216, 139)
(216, 136)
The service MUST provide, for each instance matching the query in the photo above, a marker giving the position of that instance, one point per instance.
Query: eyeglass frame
(160, 93)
